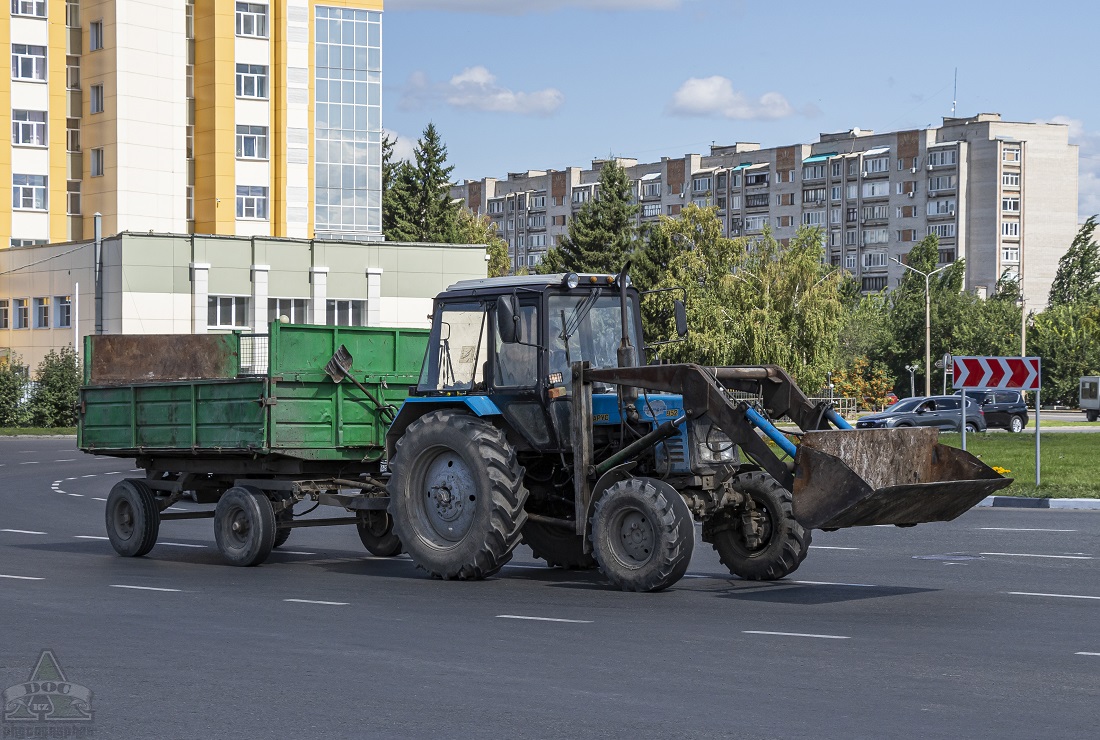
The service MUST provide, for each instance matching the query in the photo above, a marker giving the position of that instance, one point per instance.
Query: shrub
(14, 411)
(53, 402)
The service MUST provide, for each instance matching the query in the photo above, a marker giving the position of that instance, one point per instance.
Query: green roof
(819, 158)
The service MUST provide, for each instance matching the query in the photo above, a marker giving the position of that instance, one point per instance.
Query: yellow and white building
(191, 116)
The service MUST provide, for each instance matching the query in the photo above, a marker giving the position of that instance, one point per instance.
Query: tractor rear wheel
(376, 533)
(782, 543)
(642, 534)
(559, 547)
(456, 495)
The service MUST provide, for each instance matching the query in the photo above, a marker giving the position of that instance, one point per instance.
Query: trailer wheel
(133, 518)
(559, 547)
(244, 526)
(456, 495)
(282, 533)
(642, 534)
(376, 533)
(783, 543)
(1092, 415)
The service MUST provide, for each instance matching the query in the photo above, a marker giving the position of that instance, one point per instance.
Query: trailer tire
(1092, 415)
(244, 526)
(282, 533)
(133, 518)
(375, 530)
(456, 495)
(786, 541)
(559, 547)
(642, 534)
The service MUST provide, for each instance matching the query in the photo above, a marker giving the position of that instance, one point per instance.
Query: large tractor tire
(642, 534)
(376, 533)
(559, 547)
(133, 518)
(783, 542)
(456, 495)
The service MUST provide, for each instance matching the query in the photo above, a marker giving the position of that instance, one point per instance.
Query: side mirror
(507, 319)
(680, 311)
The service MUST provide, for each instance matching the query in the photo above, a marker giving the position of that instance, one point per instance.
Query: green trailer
(252, 424)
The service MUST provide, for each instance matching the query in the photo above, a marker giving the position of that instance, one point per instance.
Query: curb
(1020, 502)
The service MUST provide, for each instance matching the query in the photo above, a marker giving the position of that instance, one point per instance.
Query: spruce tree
(603, 234)
(417, 203)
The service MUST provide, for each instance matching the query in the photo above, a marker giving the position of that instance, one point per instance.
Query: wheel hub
(448, 504)
(636, 535)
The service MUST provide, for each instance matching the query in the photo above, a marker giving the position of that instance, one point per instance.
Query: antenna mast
(955, 93)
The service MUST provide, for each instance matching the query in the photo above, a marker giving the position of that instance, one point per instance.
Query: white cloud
(1088, 177)
(522, 7)
(403, 147)
(715, 96)
(476, 88)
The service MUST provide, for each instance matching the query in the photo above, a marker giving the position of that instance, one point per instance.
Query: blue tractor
(541, 416)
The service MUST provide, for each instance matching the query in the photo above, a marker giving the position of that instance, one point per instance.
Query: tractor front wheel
(559, 547)
(779, 543)
(456, 495)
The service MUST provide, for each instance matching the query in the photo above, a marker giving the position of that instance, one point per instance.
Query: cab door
(517, 370)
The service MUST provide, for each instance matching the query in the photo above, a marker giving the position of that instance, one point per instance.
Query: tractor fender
(611, 477)
(415, 407)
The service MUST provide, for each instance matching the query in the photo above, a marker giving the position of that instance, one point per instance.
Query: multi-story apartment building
(1002, 196)
(192, 116)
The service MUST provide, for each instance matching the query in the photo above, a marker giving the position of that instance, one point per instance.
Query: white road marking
(296, 552)
(826, 547)
(796, 634)
(89, 537)
(1054, 596)
(71, 459)
(310, 601)
(95, 498)
(175, 508)
(178, 544)
(21, 531)
(544, 619)
(523, 567)
(93, 475)
(22, 578)
(29, 462)
(78, 495)
(1023, 529)
(1033, 555)
(144, 588)
(830, 583)
(1086, 653)
(70, 479)
(115, 472)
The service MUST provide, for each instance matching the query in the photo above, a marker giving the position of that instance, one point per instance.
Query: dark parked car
(944, 412)
(1003, 409)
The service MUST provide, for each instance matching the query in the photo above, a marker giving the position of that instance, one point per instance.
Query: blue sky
(535, 84)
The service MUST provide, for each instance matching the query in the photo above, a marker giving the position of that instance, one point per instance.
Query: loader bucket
(857, 478)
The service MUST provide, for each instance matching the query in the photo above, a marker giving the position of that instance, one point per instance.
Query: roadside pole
(964, 419)
(1036, 438)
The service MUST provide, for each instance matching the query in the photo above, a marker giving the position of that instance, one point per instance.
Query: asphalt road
(987, 627)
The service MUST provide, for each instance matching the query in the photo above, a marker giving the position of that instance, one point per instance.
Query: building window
(581, 196)
(735, 180)
(536, 221)
(942, 158)
(252, 20)
(943, 231)
(345, 313)
(760, 178)
(252, 202)
(190, 202)
(850, 215)
(700, 184)
(877, 164)
(1012, 205)
(95, 35)
(651, 190)
(1011, 155)
(95, 101)
(28, 62)
(496, 206)
(97, 162)
(251, 141)
(943, 207)
(813, 218)
(28, 128)
(72, 72)
(41, 313)
(72, 197)
(834, 192)
(295, 309)
(941, 182)
(755, 223)
(189, 139)
(22, 314)
(72, 134)
(538, 241)
(252, 81)
(850, 261)
(813, 172)
(876, 189)
(813, 195)
(850, 238)
(227, 312)
(878, 212)
(5, 320)
(28, 192)
(874, 284)
(875, 236)
(836, 169)
(1010, 253)
(1010, 179)
(27, 242)
(758, 201)
(853, 191)
(875, 259)
(1010, 228)
(538, 201)
(63, 316)
(834, 216)
(32, 8)
(946, 257)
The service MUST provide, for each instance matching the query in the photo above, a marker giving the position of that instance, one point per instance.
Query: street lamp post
(927, 322)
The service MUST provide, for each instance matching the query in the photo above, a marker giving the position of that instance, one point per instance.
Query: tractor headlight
(571, 280)
(716, 447)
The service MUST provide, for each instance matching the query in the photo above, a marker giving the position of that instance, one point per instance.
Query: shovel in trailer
(862, 477)
(339, 367)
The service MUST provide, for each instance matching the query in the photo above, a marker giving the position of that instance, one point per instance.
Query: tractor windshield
(596, 335)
